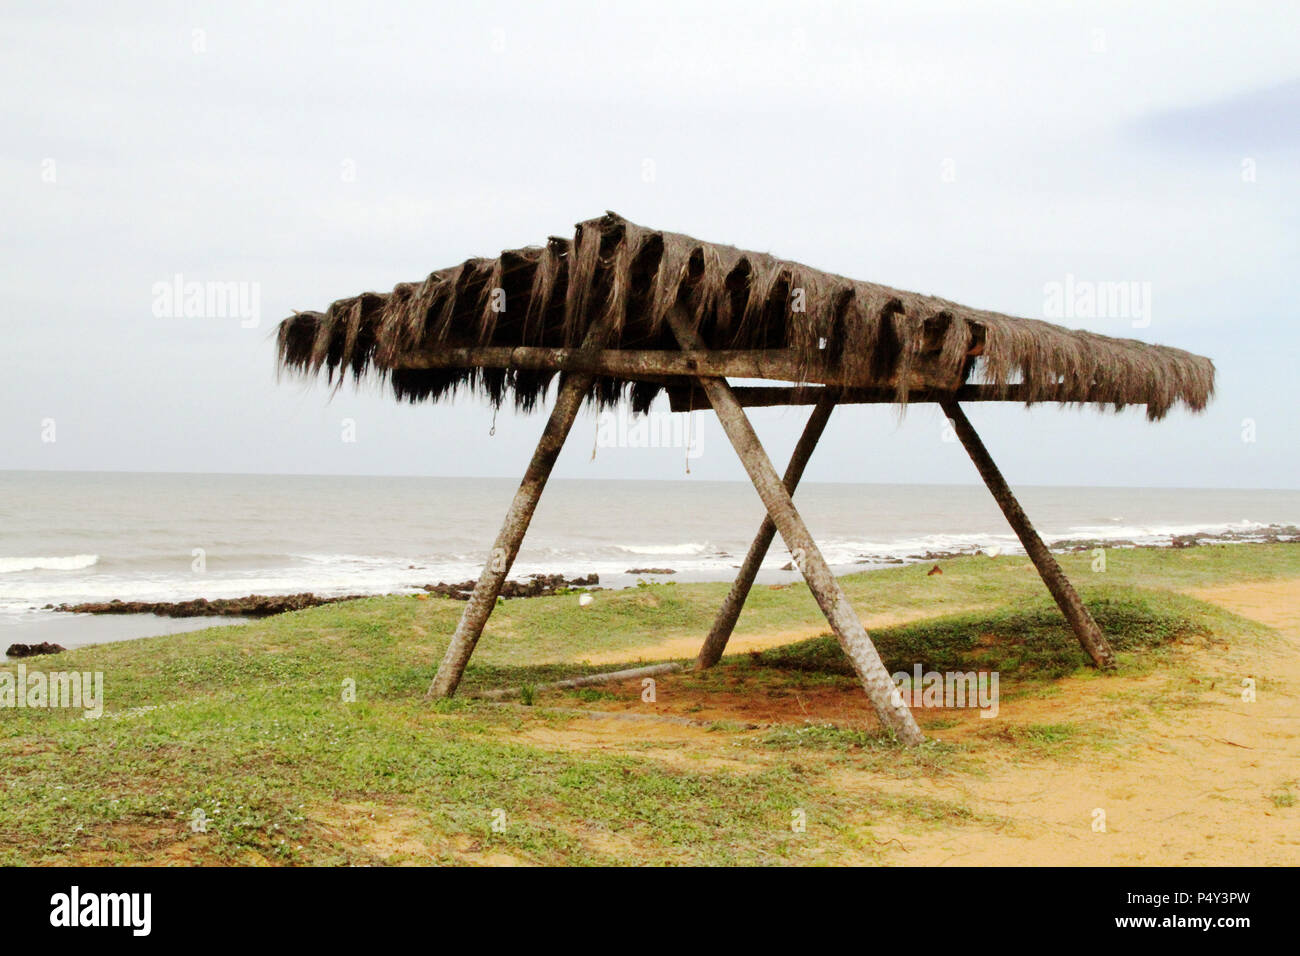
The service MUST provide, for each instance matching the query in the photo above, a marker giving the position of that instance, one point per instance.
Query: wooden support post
(1085, 628)
(484, 599)
(716, 643)
(881, 691)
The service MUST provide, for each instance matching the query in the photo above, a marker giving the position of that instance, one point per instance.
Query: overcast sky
(977, 152)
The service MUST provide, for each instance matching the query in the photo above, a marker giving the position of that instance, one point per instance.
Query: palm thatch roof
(626, 277)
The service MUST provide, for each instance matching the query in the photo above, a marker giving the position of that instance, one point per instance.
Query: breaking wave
(77, 562)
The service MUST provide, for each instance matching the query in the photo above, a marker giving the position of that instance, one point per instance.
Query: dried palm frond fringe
(630, 276)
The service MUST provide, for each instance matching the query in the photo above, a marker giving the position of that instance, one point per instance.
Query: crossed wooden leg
(716, 643)
(881, 691)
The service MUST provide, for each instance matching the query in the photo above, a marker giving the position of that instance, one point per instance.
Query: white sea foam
(689, 548)
(1158, 534)
(75, 562)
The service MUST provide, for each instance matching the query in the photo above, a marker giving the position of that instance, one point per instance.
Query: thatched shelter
(622, 312)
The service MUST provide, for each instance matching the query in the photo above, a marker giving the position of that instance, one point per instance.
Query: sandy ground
(1190, 777)
(1194, 786)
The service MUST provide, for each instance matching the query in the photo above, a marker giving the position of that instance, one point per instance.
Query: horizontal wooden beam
(678, 370)
(683, 398)
(780, 365)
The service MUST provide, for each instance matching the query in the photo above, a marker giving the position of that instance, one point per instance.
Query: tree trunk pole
(1085, 628)
(716, 643)
(484, 599)
(881, 691)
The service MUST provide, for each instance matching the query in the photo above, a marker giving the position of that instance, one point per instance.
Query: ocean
(68, 537)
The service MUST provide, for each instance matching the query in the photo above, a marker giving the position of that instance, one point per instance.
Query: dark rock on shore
(254, 605)
(31, 650)
(1090, 544)
(264, 605)
(650, 571)
(538, 585)
(940, 555)
(944, 555)
(461, 591)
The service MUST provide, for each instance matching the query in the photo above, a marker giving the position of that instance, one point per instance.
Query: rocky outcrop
(538, 585)
(254, 605)
(31, 650)
(264, 605)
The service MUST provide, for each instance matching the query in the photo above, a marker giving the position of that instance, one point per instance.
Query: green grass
(1028, 641)
(248, 724)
